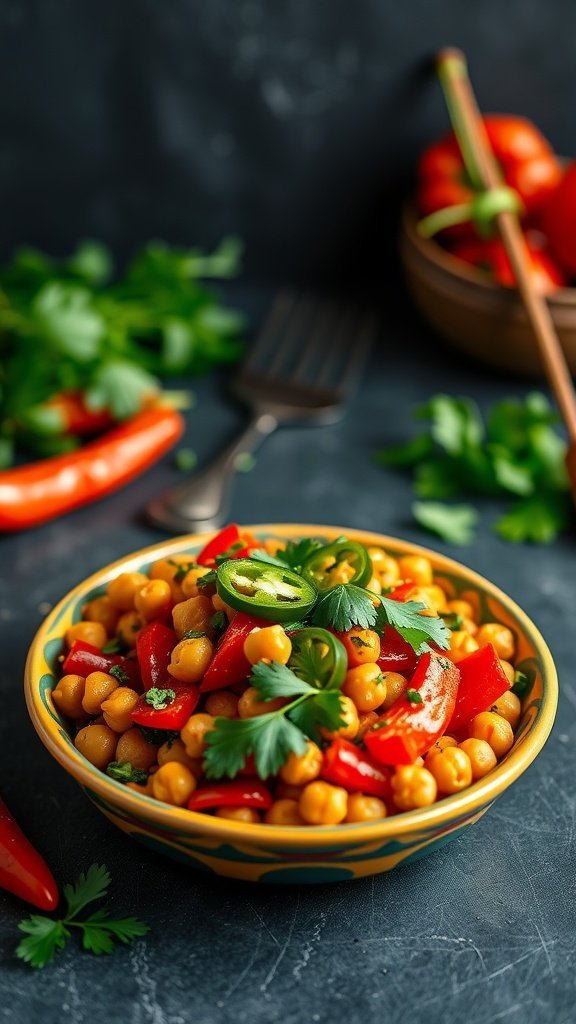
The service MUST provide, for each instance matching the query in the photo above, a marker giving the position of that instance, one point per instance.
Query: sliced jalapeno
(267, 591)
(344, 561)
(318, 657)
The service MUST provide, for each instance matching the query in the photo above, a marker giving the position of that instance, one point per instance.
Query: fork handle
(202, 502)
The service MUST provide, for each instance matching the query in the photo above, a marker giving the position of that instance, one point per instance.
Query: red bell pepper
(396, 654)
(154, 646)
(410, 727)
(83, 658)
(402, 591)
(346, 765)
(174, 716)
(230, 665)
(22, 870)
(239, 793)
(482, 681)
(218, 545)
(491, 257)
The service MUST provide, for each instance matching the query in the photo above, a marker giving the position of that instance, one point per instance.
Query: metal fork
(302, 367)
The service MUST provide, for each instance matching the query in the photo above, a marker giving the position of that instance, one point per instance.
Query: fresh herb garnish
(193, 634)
(219, 622)
(453, 523)
(158, 698)
(413, 696)
(123, 771)
(292, 556)
(182, 569)
(46, 936)
(159, 737)
(272, 736)
(343, 607)
(207, 580)
(358, 642)
(113, 646)
(119, 673)
(453, 621)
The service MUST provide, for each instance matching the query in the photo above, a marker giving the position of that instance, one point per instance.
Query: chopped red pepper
(230, 665)
(83, 658)
(410, 727)
(402, 591)
(22, 870)
(218, 545)
(396, 654)
(244, 793)
(482, 681)
(347, 766)
(174, 716)
(154, 646)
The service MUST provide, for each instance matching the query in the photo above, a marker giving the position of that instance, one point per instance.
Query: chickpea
(452, 769)
(413, 787)
(342, 572)
(134, 748)
(193, 735)
(249, 815)
(68, 695)
(469, 626)
(284, 812)
(270, 643)
(99, 686)
(176, 751)
(362, 645)
(194, 615)
(250, 704)
(508, 706)
(495, 730)
(482, 757)
(124, 588)
(365, 686)
(190, 659)
(97, 743)
(389, 572)
(222, 704)
(432, 597)
(118, 707)
(173, 570)
(461, 645)
(154, 599)
(416, 568)
(89, 632)
(472, 598)
(101, 609)
(365, 808)
(462, 608)
(351, 722)
(129, 626)
(509, 671)
(501, 638)
(323, 804)
(365, 722)
(441, 744)
(299, 769)
(273, 545)
(220, 606)
(396, 684)
(189, 584)
(374, 585)
(173, 783)
(378, 558)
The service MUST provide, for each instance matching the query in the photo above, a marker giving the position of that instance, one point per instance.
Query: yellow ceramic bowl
(269, 853)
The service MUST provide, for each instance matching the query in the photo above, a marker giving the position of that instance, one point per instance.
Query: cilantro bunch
(515, 453)
(74, 325)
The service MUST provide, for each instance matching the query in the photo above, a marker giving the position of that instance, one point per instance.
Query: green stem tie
(481, 210)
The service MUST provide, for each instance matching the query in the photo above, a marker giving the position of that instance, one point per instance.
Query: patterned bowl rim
(438, 815)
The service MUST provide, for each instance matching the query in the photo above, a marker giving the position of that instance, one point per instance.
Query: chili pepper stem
(447, 217)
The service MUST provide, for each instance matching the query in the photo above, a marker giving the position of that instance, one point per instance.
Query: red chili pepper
(154, 646)
(22, 870)
(244, 793)
(559, 221)
(230, 665)
(75, 416)
(409, 728)
(83, 658)
(39, 491)
(346, 765)
(482, 681)
(174, 716)
(491, 257)
(396, 654)
(218, 545)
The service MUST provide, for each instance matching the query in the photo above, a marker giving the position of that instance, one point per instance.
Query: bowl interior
(533, 658)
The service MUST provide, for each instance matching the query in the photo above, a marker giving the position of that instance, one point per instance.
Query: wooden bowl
(475, 315)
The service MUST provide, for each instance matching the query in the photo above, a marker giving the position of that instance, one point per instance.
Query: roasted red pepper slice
(347, 766)
(396, 654)
(218, 545)
(482, 681)
(230, 665)
(240, 793)
(22, 870)
(83, 658)
(410, 727)
(154, 646)
(174, 716)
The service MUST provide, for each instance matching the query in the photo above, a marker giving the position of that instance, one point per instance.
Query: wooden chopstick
(453, 70)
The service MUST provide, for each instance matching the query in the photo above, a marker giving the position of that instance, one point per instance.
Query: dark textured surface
(293, 123)
(482, 931)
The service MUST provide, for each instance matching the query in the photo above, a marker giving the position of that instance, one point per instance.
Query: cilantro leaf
(123, 771)
(92, 262)
(44, 938)
(413, 696)
(408, 454)
(121, 387)
(276, 680)
(455, 423)
(120, 674)
(344, 606)
(89, 887)
(297, 552)
(538, 518)
(454, 523)
(324, 710)
(269, 737)
(417, 629)
(158, 698)
(99, 932)
(66, 319)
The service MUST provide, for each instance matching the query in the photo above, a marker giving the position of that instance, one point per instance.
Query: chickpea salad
(294, 684)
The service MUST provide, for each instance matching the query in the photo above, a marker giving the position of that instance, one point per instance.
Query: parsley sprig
(46, 936)
(292, 556)
(271, 737)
